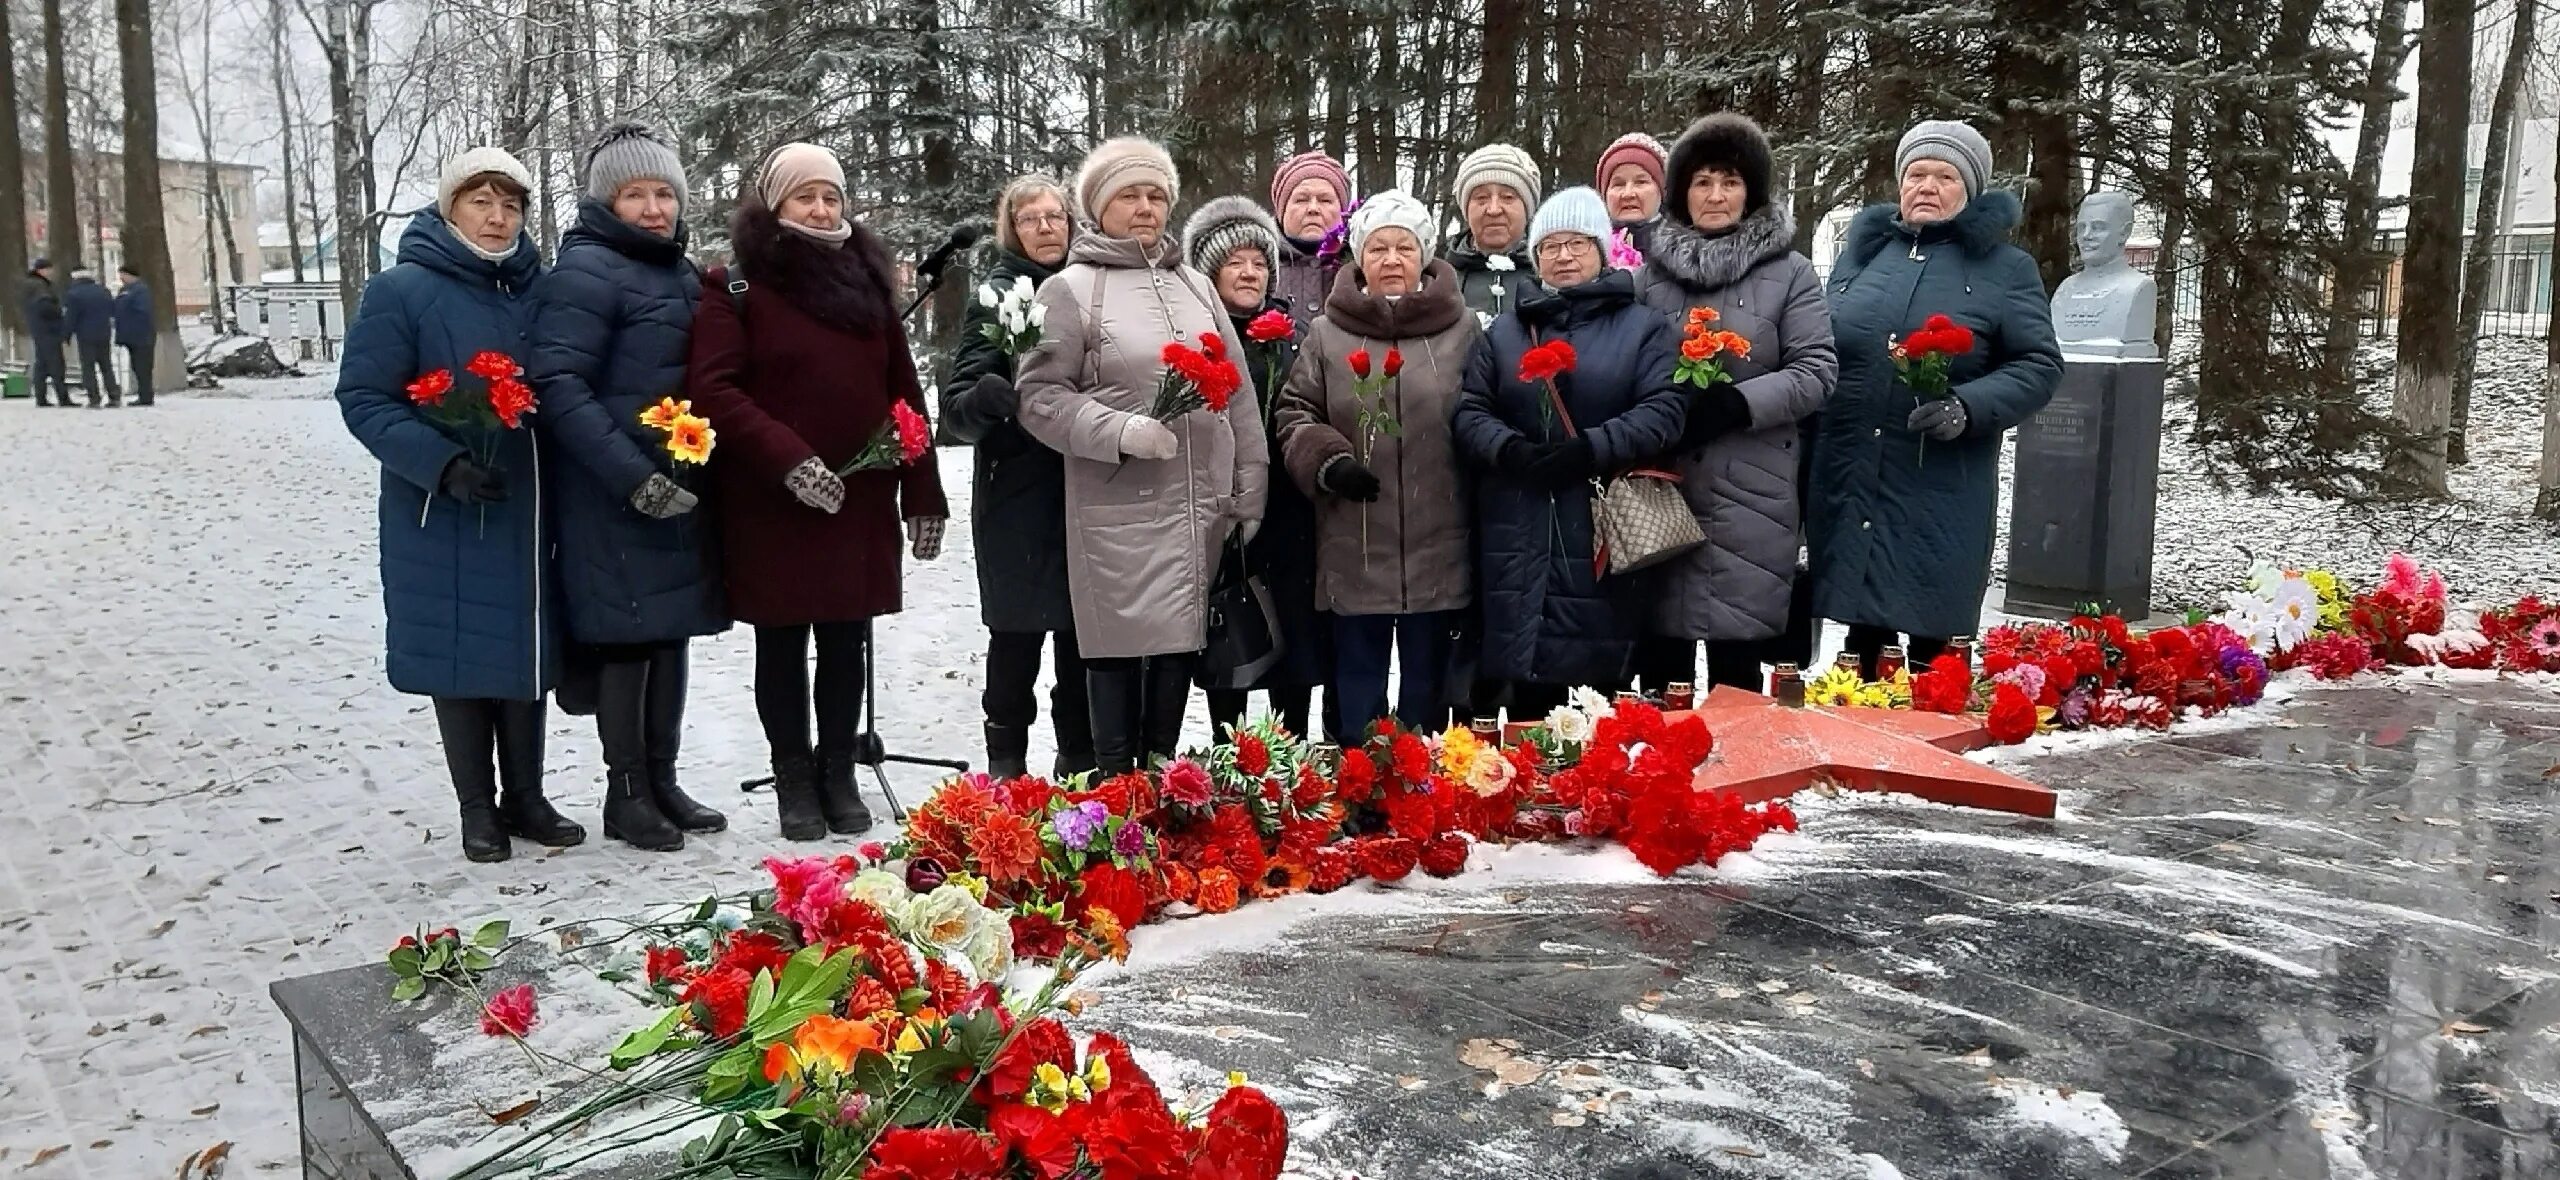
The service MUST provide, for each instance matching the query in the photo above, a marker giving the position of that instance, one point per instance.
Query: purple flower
(1130, 842)
(923, 875)
(2247, 672)
(1573, 823)
(1078, 825)
(1339, 237)
(2074, 710)
(852, 1109)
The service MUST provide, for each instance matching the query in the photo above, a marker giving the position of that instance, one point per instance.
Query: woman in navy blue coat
(472, 616)
(612, 323)
(1550, 621)
(1900, 517)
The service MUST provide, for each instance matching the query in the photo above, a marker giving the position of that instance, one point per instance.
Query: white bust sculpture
(2106, 309)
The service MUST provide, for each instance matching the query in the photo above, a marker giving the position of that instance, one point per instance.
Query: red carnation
(1040, 1042)
(1395, 361)
(1688, 741)
(1412, 758)
(491, 365)
(1252, 757)
(1387, 858)
(935, 1153)
(1214, 346)
(1445, 855)
(510, 400)
(1109, 887)
(722, 998)
(1359, 776)
(1043, 1140)
(509, 1013)
(1359, 362)
(429, 390)
(2013, 716)
(1546, 361)
(667, 964)
(1412, 813)
(748, 952)
(1247, 1137)
(1330, 868)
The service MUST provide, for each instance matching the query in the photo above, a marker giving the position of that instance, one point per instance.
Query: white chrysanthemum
(2253, 619)
(2297, 610)
(1589, 700)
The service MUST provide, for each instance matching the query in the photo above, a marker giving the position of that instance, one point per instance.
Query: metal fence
(2518, 303)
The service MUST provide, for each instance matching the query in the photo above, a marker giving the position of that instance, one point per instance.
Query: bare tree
(280, 69)
(346, 40)
(61, 188)
(2359, 263)
(13, 165)
(2431, 270)
(2546, 501)
(2486, 221)
(146, 227)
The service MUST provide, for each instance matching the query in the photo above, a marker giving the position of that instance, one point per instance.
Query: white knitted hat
(1576, 210)
(472, 163)
(1397, 208)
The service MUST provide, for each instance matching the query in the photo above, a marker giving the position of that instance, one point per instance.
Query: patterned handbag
(1638, 519)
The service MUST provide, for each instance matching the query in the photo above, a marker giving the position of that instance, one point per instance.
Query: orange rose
(1698, 347)
(1737, 344)
(1219, 891)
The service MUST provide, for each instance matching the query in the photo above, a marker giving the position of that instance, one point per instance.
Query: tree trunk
(346, 145)
(1498, 72)
(61, 187)
(281, 67)
(13, 193)
(2546, 502)
(2051, 192)
(2485, 224)
(2431, 270)
(2173, 219)
(146, 227)
(2359, 263)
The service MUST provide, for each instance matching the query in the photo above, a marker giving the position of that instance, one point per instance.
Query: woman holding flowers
(1906, 470)
(1757, 347)
(429, 386)
(1235, 243)
(1018, 494)
(1364, 426)
(611, 326)
(1149, 502)
(801, 364)
(1541, 423)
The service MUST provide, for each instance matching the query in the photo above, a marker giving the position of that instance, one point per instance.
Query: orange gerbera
(1007, 847)
(689, 439)
(1285, 876)
(1219, 891)
(663, 415)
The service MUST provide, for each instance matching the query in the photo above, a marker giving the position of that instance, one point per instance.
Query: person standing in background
(90, 315)
(1497, 188)
(41, 307)
(1018, 504)
(1629, 178)
(135, 332)
(1308, 193)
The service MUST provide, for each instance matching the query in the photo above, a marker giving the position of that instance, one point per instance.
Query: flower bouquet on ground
(900, 442)
(1204, 377)
(1019, 315)
(844, 1026)
(1924, 358)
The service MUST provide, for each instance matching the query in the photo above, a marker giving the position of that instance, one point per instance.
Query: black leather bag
(1244, 631)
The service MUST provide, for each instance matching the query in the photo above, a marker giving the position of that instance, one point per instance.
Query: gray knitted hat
(626, 152)
(1956, 143)
(1224, 226)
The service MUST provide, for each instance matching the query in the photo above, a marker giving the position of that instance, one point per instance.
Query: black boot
(665, 726)
(839, 797)
(795, 795)
(682, 808)
(631, 816)
(1008, 750)
(1112, 698)
(1168, 697)
(1071, 719)
(522, 806)
(469, 730)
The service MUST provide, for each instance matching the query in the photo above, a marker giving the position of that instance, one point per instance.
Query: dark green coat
(1901, 534)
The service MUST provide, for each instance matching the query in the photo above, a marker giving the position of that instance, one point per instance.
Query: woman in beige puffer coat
(1149, 504)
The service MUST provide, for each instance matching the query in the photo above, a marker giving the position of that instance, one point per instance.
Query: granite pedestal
(2080, 517)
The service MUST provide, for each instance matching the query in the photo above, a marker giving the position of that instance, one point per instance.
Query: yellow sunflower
(1837, 686)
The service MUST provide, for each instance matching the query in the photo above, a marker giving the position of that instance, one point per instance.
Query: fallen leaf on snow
(2439, 821)
(1979, 1057)
(1866, 1067)
(1410, 1082)
(1804, 999)
(2466, 1028)
(1650, 1001)
(1735, 993)
(1565, 1119)
(1773, 986)
(1745, 1152)
(515, 1112)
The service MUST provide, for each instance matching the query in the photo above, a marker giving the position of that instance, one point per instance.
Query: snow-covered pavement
(210, 785)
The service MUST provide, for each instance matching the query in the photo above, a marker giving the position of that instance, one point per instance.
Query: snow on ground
(213, 786)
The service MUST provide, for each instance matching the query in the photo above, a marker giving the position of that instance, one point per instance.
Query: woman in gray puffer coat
(1392, 556)
(1723, 243)
(1149, 504)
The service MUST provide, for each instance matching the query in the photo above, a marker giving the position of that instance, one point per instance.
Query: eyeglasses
(1039, 221)
(1560, 249)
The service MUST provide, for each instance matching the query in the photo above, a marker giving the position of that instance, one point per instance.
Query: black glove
(1515, 458)
(1348, 478)
(996, 397)
(471, 483)
(1943, 419)
(1564, 463)
(1720, 410)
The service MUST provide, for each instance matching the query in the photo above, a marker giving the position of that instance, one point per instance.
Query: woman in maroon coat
(797, 357)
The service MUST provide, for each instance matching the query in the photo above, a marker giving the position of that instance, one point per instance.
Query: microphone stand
(868, 750)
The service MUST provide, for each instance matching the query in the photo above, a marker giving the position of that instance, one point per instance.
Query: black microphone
(963, 236)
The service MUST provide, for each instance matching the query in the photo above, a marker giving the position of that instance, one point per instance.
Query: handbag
(1638, 519)
(1244, 629)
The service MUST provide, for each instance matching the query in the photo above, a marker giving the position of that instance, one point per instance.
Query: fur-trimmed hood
(1704, 262)
(1980, 228)
(1428, 311)
(846, 287)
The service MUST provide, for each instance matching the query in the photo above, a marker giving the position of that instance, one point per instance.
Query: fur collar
(846, 288)
(1981, 227)
(1699, 262)
(1427, 312)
